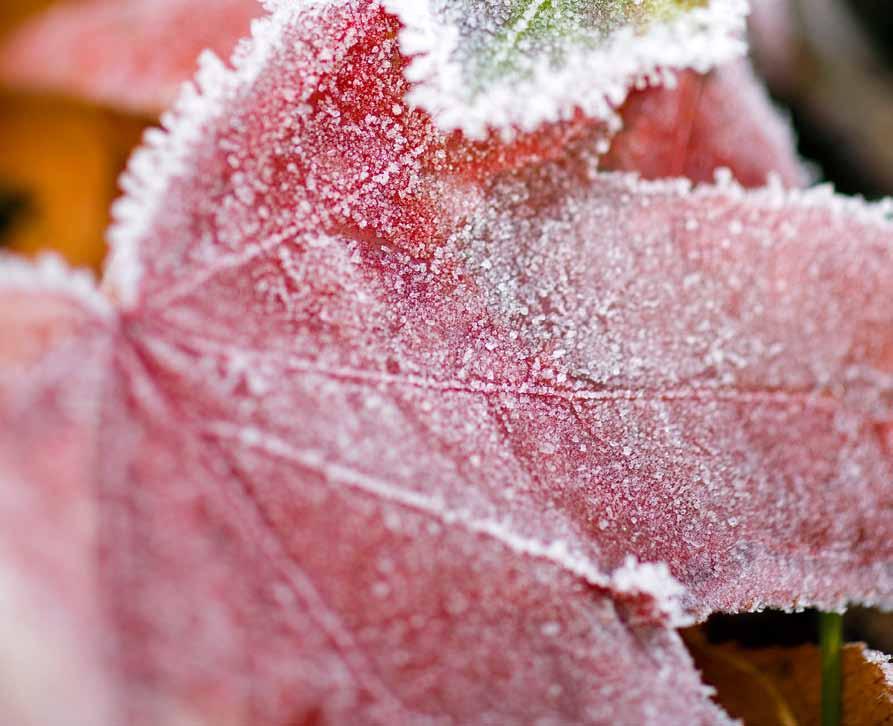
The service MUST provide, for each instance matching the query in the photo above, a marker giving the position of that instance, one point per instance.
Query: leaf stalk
(831, 640)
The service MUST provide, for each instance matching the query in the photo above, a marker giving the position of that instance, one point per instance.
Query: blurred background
(60, 155)
(829, 63)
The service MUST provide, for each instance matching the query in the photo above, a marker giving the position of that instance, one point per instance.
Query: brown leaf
(13, 12)
(782, 686)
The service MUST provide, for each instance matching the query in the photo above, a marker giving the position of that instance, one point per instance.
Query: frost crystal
(474, 59)
(388, 427)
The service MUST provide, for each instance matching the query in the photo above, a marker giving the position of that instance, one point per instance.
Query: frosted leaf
(400, 429)
(764, 319)
(55, 347)
(132, 54)
(406, 144)
(474, 59)
(704, 122)
(202, 610)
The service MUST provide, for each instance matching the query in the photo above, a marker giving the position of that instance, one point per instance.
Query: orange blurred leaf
(13, 12)
(63, 159)
(782, 686)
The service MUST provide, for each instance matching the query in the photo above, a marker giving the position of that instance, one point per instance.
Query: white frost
(162, 156)
(445, 40)
(49, 273)
(652, 580)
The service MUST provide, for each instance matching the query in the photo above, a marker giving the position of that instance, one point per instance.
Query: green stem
(831, 637)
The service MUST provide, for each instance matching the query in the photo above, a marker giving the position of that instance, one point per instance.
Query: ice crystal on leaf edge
(50, 273)
(595, 78)
(166, 153)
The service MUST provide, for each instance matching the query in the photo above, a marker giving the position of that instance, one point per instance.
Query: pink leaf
(723, 119)
(54, 353)
(391, 437)
(133, 54)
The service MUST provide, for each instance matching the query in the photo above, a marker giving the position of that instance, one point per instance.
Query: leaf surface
(54, 356)
(396, 436)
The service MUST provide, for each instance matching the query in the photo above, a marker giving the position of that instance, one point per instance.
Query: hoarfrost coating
(383, 425)
(473, 60)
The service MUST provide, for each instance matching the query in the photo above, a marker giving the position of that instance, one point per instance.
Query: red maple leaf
(374, 423)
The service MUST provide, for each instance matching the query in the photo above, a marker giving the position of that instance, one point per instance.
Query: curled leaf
(705, 122)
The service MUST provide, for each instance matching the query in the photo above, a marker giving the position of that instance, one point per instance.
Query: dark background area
(836, 82)
(876, 16)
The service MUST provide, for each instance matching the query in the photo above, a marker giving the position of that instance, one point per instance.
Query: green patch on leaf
(550, 28)
(479, 65)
